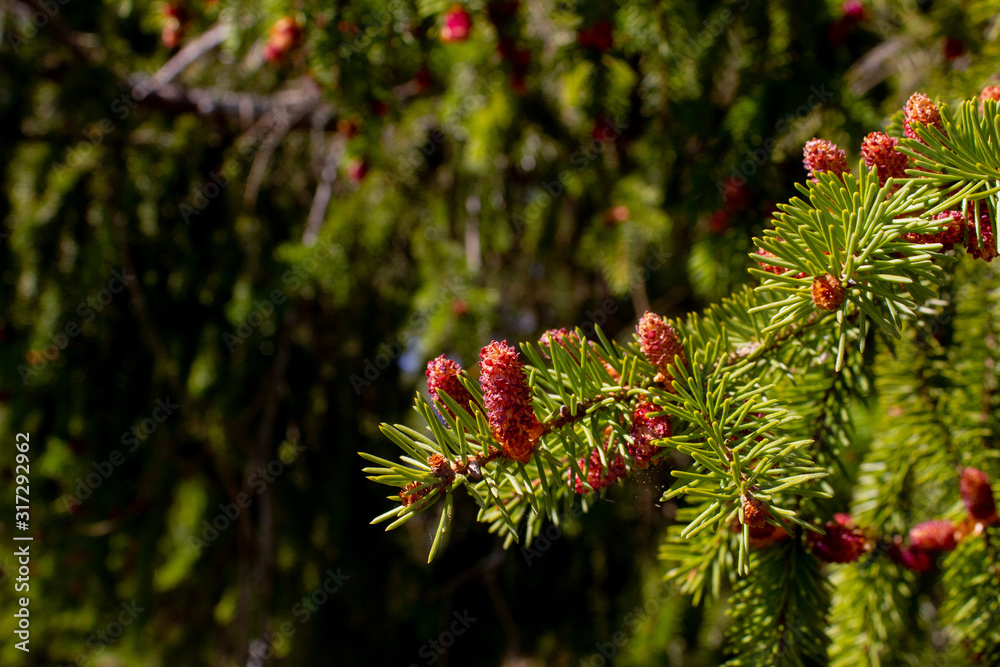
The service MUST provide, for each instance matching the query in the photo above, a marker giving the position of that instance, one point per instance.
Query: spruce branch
(972, 606)
(845, 244)
(780, 611)
(751, 400)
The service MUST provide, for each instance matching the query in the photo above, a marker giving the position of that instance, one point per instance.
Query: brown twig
(324, 191)
(284, 118)
(226, 105)
(193, 50)
(565, 418)
(65, 34)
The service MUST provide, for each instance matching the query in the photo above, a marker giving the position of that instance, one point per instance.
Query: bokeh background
(234, 232)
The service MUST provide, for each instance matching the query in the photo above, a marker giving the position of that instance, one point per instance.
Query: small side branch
(185, 57)
(244, 107)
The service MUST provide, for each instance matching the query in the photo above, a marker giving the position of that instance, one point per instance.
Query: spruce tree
(874, 282)
(313, 198)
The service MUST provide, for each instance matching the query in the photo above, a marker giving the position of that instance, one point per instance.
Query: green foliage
(752, 368)
(972, 608)
(779, 611)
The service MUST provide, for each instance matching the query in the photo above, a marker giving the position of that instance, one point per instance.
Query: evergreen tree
(233, 232)
(879, 278)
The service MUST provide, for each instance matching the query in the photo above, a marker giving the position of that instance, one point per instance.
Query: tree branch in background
(193, 50)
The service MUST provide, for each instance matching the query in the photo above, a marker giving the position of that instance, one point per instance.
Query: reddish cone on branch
(508, 401)
(660, 345)
(843, 543)
(644, 431)
(598, 476)
(443, 373)
(457, 25)
(598, 36)
(933, 536)
(821, 155)
(285, 36)
(755, 512)
(978, 495)
(827, 292)
(879, 152)
(920, 109)
(989, 93)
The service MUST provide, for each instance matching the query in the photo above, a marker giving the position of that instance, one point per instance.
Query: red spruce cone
(660, 345)
(822, 155)
(755, 512)
(457, 25)
(409, 493)
(598, 36)
(933, 536)
(766, 535)
(912, 558)
(285, 35)
(954, 47)
(989, 93)
(645, 430)
(843, 543)
(770, 268)
(879, 152)
(441, 467)
(950, 233)
(568, 339)
(920, 109)
(598, 476)
(853, 10)
(443, 373)
(977, 495)
(827, 292)
(508, 401)
(989, 249)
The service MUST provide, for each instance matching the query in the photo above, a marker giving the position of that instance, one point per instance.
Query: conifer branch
(751, 396)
